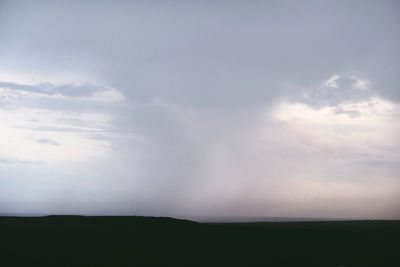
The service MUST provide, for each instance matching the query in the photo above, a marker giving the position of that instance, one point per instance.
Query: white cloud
(107, 96)
(332, 81)
(361, 83)
(372, 134)
(22, 129)
(336, 90)
(35, 129)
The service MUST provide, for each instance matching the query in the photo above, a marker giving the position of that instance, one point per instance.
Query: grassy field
(152, 241)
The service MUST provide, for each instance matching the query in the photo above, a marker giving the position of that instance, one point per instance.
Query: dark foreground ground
(148, 241)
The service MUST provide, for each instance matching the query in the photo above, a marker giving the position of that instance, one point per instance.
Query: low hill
(160, 241)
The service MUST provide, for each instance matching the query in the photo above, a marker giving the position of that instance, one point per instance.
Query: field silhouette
(159, 241)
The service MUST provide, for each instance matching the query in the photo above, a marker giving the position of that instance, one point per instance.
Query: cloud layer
(275, 109)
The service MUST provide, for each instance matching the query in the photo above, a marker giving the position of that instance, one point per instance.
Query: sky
(200, 108)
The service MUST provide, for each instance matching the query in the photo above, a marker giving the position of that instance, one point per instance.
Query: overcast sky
(200, 108)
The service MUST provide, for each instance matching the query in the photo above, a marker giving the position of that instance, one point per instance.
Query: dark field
(149, 241)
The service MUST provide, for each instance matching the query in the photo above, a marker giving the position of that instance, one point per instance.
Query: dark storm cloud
(229, 54)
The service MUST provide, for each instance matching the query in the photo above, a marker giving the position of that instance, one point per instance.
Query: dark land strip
(160, 241)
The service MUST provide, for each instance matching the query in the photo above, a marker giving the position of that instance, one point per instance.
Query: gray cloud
(335, 91)
(7, 160)
(352, 112)
(48, 141)
(215, 54)
(50, 89)
(72, 90)
(64, 96)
